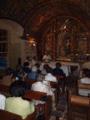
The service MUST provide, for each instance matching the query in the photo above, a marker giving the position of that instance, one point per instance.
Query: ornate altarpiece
(65, 38)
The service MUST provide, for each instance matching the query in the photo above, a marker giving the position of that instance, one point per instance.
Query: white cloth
(42, 87)
(2, 101)
(84, 92)
(85, 80)
(66, 69)
(50, 77)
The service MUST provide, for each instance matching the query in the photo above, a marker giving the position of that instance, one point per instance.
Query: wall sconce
(32, 41)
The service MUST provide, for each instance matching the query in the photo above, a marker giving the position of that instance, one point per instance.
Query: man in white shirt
(46, 57)
(42, 86)
(50, 77)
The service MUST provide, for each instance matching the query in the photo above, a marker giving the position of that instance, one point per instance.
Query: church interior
(46, 41)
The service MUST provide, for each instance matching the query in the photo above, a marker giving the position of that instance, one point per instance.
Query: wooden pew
(34, 95)
(78, 107)
(52, 84)
(84, 86)
(5, 115)
(47, 106)
(31, 116)
(55, 86)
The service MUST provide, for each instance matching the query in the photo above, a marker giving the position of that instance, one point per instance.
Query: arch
(14, 31)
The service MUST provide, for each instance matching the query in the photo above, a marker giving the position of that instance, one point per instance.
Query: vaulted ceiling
(34, 15)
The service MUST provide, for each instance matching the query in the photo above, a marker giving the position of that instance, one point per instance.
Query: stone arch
(14, 31)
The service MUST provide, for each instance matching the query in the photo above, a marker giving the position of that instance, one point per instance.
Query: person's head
(27, 58)
(46, 66)
(18, 88)
(37, 65)
(34, 69)
(58, 64)
(34, 57)
(26, 64)
(49, 70)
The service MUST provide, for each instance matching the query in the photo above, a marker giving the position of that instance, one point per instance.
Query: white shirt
(42, 87)
(2, 101)
(85, 80)
(46, 58)
(84, 92)
(66, 69)
(50, 77)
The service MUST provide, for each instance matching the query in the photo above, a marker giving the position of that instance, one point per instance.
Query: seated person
(66, 70)
(86, 77)
(44, 69)
(46, 57)
(85, 80)
(33, 74)
(16, 104)
(2, 101)
(44, 86)
(58, 71)
(49, 76)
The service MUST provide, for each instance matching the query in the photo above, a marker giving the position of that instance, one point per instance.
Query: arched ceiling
(33, 15)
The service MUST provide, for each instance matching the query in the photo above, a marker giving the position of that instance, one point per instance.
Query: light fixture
(31, 41)
(27, 37)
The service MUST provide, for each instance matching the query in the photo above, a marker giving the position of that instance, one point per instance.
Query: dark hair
(18, 88)
(26, 64)
(49, 70)
(58, 64)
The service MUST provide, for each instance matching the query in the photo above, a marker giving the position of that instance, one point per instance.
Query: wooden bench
(84, 86)
(47, 106)
(5, 115)
(52, 84)
(78, 107)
